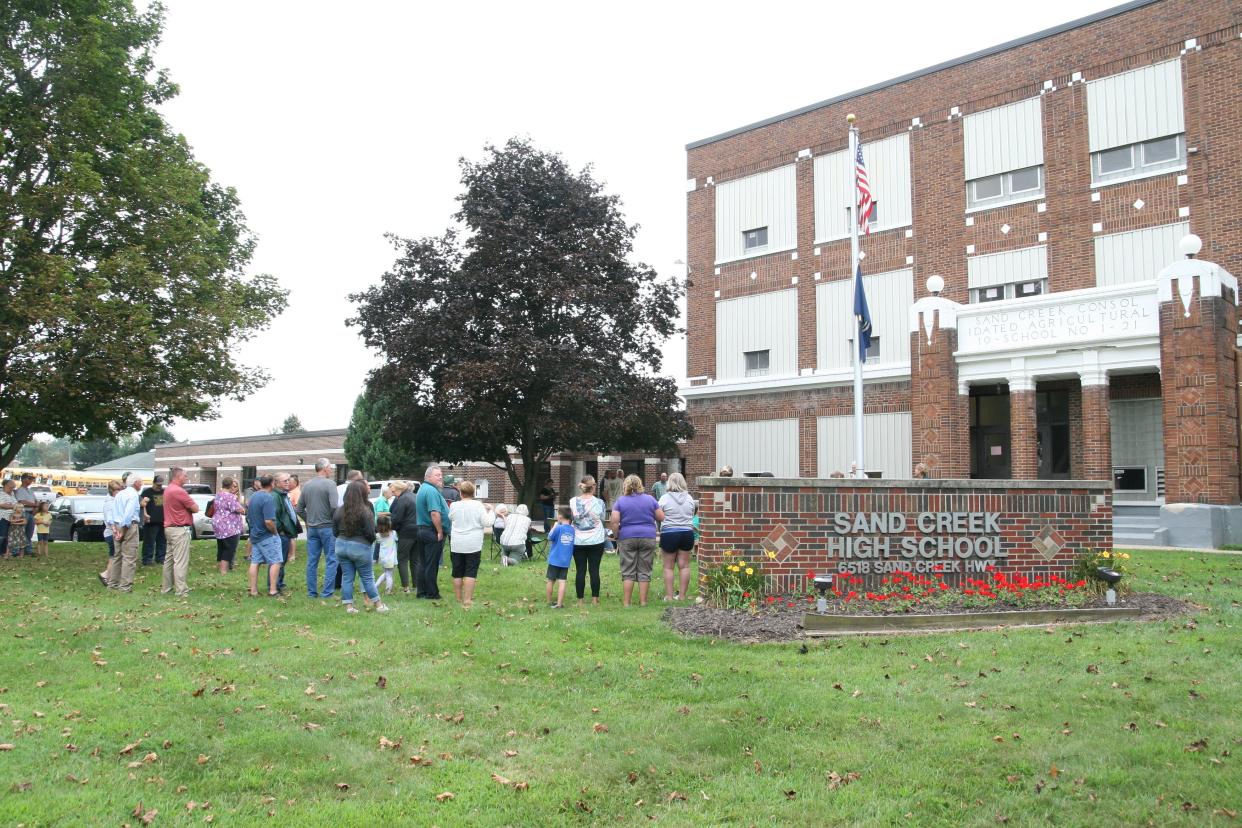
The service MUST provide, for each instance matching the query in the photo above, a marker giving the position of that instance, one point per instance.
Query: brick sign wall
(872, 528)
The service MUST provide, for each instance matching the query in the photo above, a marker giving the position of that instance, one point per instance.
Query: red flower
(745, 594)
(810, 573)
(989, 568)
(944, 585)
(852, 594)
(789, 603)
(771, 599)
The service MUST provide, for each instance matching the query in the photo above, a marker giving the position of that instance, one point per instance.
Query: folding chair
(538, 543)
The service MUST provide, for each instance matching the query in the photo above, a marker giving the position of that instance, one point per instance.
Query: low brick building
(1047, 182)
(210, 461)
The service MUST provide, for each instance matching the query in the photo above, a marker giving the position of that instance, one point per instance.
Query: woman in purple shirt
(226, 523)
(634, 518)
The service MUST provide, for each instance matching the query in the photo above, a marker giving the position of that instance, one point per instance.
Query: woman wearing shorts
(677, 535)
(589, 536)
(468, 517)
(634, 518)
(226, 523)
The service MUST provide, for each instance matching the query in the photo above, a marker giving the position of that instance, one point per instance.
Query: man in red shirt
(179, 509)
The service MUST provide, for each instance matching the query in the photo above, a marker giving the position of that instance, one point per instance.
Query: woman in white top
(114, 486)
(589, 536)
(469, 517)
(517, 528)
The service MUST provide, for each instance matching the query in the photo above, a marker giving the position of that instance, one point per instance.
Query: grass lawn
(273, 711)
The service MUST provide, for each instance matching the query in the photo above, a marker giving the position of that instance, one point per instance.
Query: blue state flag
(863, 315)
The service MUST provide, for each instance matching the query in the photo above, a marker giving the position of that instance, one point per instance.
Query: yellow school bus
(61, 481)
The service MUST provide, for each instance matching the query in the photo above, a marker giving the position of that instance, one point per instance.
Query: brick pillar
(1097, 432)
(1023, 455)
(939, 414)
(1198, 359)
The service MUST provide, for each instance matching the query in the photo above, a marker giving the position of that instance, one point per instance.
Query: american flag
(865, 203)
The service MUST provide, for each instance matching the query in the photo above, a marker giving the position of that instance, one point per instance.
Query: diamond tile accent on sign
(1139, 204)
(1048, 542)
(1005, 228)
(780, 541)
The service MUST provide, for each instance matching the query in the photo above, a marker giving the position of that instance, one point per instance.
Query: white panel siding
(1005, 138)
(768, 199)
(886, 441)
(764, 322)
(1135, 106)
(1008, 267)
(759, 446)
(889, 297)
(1137, 256)
(888, 169)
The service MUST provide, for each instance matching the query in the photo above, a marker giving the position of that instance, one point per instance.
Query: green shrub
(734, 583)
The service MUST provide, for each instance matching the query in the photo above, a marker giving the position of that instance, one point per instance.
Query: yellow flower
(750, 571)
(741, 563)
(771, 555)
(728, 553)
(1104, 555)
(1125, 555)
(733, 569)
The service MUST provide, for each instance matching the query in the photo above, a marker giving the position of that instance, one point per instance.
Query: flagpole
(858, 363)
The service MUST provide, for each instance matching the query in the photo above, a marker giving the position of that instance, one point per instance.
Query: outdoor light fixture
(823, 583)
(1190, 245)
(935, 284)
(1110, 577)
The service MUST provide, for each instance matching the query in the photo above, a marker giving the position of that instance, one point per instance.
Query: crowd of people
(401, 535)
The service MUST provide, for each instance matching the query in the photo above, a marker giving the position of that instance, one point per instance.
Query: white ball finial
(1190, 245)
(935, 284)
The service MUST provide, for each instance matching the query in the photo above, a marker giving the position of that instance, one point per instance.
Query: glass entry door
(989, 434)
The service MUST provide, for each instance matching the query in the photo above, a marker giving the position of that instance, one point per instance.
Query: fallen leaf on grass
(203, 759)
(521, 786)
(445, 797)
(6, 746)
(342, 786)
(200, 691)
(600, 728)
(1054, 771)
(497, 778)
(312, 726)
(446, 757)
(146, 816)
(22, 787)
(509, 754)
(387, 744)
(676, 796)
(836, 780)
(791, 794)
(1196, 746)
(128, 749)
(416, 760)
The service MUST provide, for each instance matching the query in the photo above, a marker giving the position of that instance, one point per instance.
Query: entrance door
(989, 434)
(1052, 434)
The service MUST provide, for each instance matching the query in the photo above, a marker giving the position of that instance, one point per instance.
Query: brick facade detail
(1043, 528)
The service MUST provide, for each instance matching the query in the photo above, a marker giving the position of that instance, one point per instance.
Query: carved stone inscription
(881, 542)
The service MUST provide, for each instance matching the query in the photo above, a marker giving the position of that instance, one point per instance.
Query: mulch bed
(782, 623)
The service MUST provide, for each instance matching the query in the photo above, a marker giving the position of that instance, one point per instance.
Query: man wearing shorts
(264, 540)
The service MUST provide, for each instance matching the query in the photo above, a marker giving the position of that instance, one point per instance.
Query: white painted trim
(313, 452)
(758, 254)
(983, 208)
(886, 372)
(1136, 176)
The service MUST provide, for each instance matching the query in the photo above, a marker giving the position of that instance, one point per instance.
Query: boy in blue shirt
(560, 553)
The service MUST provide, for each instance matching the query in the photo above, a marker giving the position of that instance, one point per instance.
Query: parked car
(77, 518)
(202, 527)
(197, 488)
(377, 488)
(42, 493)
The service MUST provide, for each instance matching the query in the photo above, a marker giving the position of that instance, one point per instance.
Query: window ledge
(1096, 185)
(875, 231)
(983, 208)
(756, 254)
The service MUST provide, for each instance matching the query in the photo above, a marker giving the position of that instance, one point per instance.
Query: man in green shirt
(431, 514)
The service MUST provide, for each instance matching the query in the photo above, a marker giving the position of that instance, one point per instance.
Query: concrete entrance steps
(1137, 524)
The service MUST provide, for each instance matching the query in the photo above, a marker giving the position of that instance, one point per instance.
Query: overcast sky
(340, 122)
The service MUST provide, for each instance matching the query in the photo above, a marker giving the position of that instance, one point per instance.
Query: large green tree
(369, 449)
(123, 292)
(533, 330)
